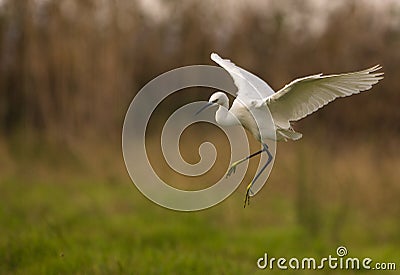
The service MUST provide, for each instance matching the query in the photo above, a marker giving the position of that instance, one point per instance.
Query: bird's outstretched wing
(250, 87)
(304, 96)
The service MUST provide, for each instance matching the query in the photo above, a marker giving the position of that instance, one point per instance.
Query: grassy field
(67, 216)
(68, 71)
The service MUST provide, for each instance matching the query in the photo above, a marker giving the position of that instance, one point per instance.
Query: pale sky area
(159, 10)
(232, 10)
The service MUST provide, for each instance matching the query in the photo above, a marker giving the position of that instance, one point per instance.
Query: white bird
(293, 102)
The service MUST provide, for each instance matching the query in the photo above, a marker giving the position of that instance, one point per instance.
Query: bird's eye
(214, 101)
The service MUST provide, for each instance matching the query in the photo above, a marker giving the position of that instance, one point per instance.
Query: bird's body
(267, 115)
(239, 114)
(246, 119)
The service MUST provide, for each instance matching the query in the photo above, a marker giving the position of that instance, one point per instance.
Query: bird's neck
(225, 118)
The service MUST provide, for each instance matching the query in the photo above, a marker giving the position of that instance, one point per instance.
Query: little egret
(293, 102)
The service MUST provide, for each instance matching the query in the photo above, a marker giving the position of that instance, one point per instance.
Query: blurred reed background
(68, 67)
(68, 71)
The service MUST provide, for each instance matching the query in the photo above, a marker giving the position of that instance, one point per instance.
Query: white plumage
(295, 101)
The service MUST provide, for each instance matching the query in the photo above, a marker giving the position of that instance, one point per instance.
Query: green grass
(85, 224)
(102, 228)
(95, 227)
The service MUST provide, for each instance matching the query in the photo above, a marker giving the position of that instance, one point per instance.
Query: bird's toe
(231, 170)
(247, 197)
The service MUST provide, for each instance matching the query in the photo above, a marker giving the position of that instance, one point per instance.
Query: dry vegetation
(69, 69)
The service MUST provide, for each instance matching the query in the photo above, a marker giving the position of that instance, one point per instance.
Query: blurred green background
(68, 71)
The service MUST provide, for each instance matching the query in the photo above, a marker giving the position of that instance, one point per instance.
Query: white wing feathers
(250, 87)
(304, 96)
(232, 69)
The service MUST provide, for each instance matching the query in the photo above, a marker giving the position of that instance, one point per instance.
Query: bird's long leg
(232, 169)
(248, 190)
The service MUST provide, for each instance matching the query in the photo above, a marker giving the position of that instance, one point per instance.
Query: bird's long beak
(204, 107)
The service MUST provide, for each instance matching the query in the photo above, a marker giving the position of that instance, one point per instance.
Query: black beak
(204, 107)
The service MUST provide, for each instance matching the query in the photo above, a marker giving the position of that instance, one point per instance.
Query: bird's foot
(232, 169)
(247, 197)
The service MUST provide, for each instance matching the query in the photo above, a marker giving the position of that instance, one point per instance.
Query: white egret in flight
(293, 102)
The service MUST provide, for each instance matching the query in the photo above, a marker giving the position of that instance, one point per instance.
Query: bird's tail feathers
(288, 134)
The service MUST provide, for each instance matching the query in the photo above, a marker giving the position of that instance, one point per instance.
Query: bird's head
(217, 98)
